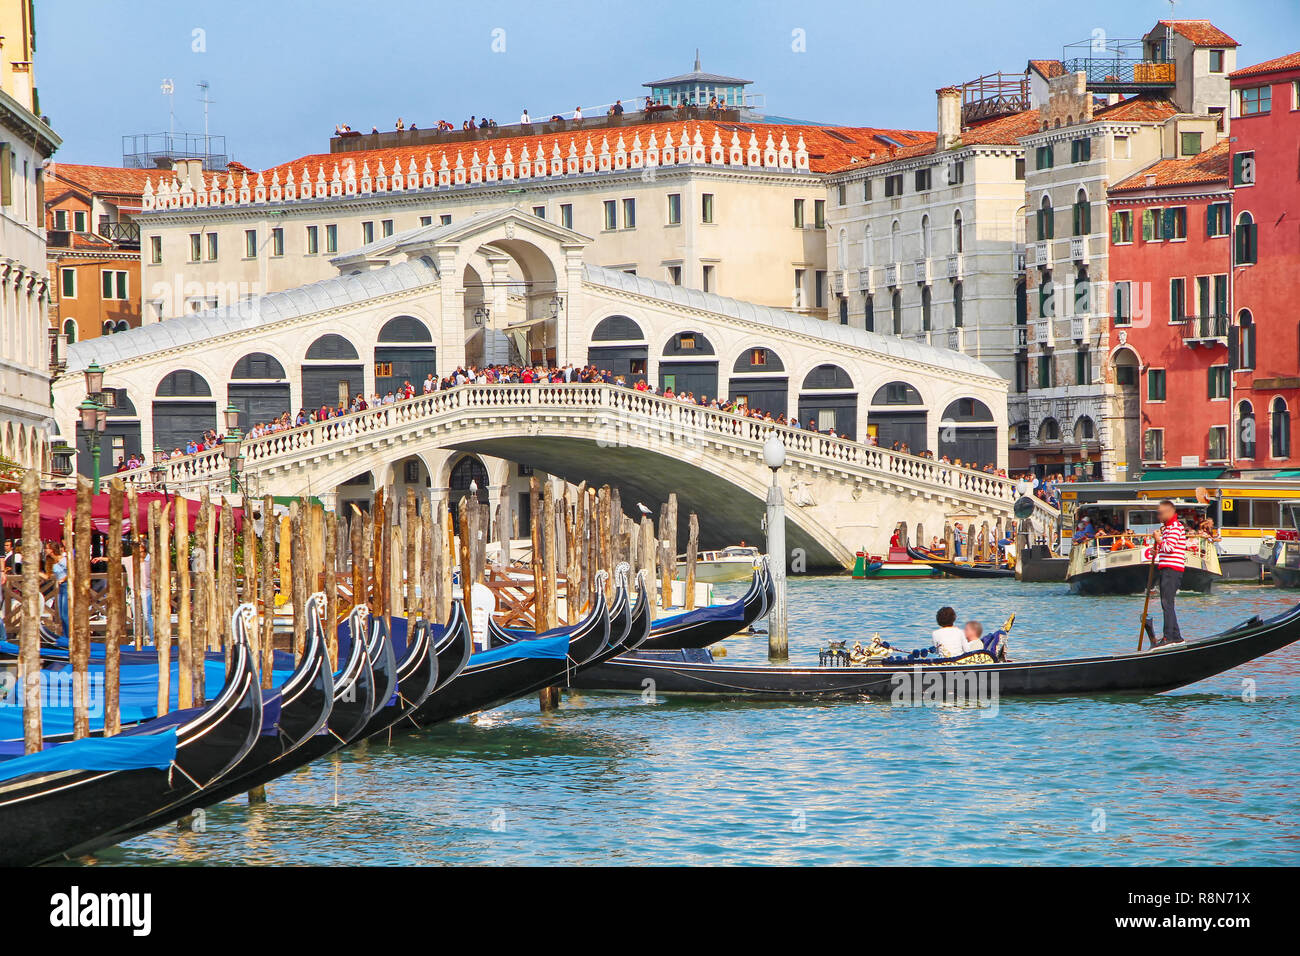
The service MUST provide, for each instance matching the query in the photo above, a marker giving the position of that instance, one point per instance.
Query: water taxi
(735, 563)
(1121, 564)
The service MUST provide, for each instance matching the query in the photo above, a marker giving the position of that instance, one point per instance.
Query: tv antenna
(206, 101)
(169, 91)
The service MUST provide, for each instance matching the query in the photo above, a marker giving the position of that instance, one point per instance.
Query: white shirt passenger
(949, 641)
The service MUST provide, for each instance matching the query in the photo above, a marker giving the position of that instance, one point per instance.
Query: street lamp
(230, 445)
(61, 458)
(778, 642)
(92, 421)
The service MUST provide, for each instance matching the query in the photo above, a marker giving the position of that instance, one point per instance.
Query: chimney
(949, 118)
(190, 170)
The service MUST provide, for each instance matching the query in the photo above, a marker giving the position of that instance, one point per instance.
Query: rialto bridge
(504, 286)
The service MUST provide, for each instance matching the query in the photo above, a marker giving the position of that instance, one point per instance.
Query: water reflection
(1202, 775)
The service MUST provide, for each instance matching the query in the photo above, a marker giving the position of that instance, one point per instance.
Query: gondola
(708, 625)
(291, 716)
(620, 623)
(637, 630)
(495, 676)
(962, 569)
(694, 672)
(63, 813)
(417, 671)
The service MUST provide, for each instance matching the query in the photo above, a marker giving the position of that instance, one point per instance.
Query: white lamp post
(778, 642)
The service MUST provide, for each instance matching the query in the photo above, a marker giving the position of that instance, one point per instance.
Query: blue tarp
(553, 648)
(735, 611)
(96, 753)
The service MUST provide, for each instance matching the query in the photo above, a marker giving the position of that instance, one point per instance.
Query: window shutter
(1210, 211)
(1168, 230)
(1233, 364)
(1115, 235)
(6, 174)
(108, 284)
(1086, 209)
(1148, 224)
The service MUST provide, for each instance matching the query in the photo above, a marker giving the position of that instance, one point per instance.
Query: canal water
(1201, 776)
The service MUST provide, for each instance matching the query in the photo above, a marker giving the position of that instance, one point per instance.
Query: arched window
(1081, 215)
(958, 235)
(896, 393)
(895, 242)
(1245, 240)
(866, 247)
(405, 328)
(1280, 426)
(1046, 227)
(184, 383)
(332, 347)
(469, 470)
(1084, 429)
(70, 330)
(1245, 340)
(1082, 292)
(925, 308)
(1245, 430)
(107, 328)
(925, 237)
(1050, 430)
(617, 328)
(898, 313)
(1126, 368)
(843, 249)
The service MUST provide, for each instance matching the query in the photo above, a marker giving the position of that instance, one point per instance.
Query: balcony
(892, 271)
(921, 271)
(838, 283)
(955, 265)
(1206, 330)
(1044, 333)
(1042, 254)
(956, 339)
(122, 233)
(1079, 326)
(1022, 336)
(864, 281)
(1079, 248)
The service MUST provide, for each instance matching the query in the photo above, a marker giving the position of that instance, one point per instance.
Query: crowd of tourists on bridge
(556, 375)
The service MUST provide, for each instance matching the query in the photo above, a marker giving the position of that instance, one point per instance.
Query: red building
(1266, 262)
(1170, 256)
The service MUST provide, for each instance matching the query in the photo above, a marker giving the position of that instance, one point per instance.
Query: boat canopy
(132, 752)
(1183, 474)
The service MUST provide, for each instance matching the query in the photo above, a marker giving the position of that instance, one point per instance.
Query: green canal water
(1205, 775)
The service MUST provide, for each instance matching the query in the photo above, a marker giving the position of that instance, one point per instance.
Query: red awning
(55, 504)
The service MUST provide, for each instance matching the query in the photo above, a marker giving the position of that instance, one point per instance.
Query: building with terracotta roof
(94, 248)
(730, 207)
(922, 243)
(26, 142)
(1264, 341)
(1119, 107)
(1170, 255)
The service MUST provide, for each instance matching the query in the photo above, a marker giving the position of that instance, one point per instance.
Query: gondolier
(1171, 561)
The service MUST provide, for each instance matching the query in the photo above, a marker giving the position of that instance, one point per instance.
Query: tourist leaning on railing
(560, 375)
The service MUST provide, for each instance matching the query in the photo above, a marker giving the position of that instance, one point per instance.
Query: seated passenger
(974, 637)
(949, 640)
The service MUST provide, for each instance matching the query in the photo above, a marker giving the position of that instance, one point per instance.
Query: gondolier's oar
(1147, 627)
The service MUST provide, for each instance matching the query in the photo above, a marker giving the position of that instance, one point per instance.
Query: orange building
(93, 248)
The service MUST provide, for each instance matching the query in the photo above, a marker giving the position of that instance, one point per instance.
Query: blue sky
(284, 72)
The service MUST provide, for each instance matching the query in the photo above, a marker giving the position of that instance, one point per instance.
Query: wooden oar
(1145, 627)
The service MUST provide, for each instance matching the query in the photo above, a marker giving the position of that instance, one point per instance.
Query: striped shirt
(1172, 552)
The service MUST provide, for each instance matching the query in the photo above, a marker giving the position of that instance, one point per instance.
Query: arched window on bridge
(689, 364)
(331, 373)
(618, 345)
(897, 415)
(259, 388)
(967, 431)
(183, 409)
(758, 376)
(120, 438)
(404, 353)
(827, 399)
(467, 471)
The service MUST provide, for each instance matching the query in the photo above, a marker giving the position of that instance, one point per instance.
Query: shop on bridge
(967, 431)
(618, 346)
(759, 381)
(331, 373)
(828, 400)
(259, 388)
(404, 353)
(183, 409)
(897, 414)
(689, 364)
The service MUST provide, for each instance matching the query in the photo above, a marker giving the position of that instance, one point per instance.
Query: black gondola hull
(753, 606)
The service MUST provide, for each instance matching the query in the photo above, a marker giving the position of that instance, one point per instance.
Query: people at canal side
(1171, 562)
(57, 559)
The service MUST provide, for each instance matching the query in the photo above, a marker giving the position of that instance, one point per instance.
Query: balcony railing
(837, 282)
(126, 233)
(1205, 330)
(1044, 334)
(1022, 336)
(1043, 254)
(1079, 248)
(955, 265)
(891, 274)
(921, 271)
(864, 280)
